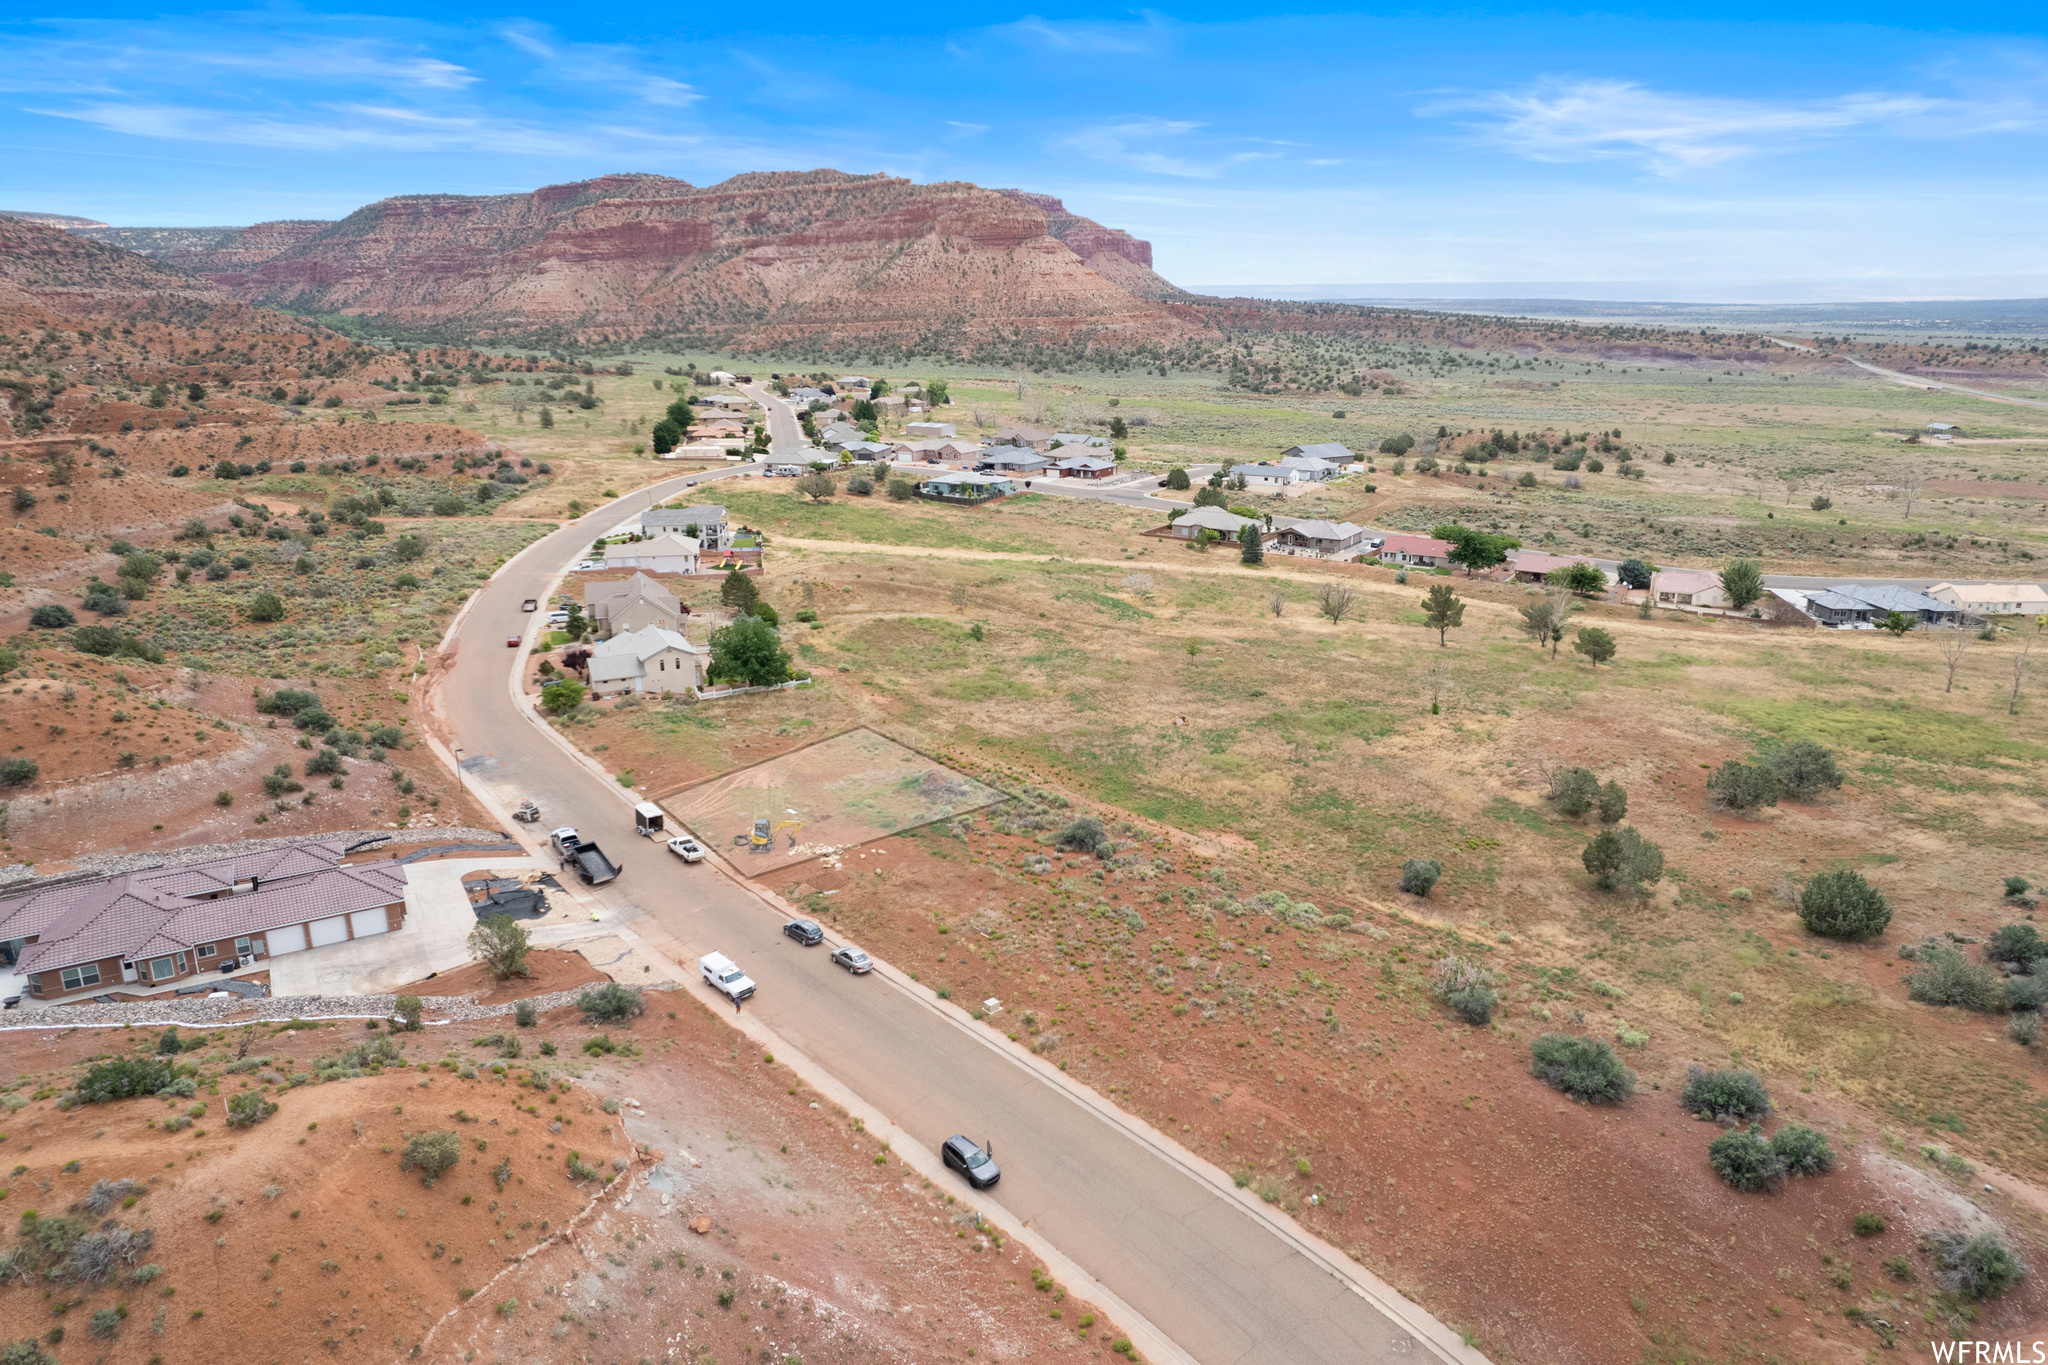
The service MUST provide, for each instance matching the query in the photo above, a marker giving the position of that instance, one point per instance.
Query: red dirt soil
(552, 969)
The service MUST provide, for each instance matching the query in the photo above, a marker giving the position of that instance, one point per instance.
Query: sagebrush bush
(1944, 978)
(247, 1108)
(1574, 790)
(1867, 1224)
(611, 1003)
(1977, 1267)
(1725, 1096)
(432, 1154)
(2025, 993)
(1843, 905)
(1418, 875)
(1585, 1068)
(2020, 944)
(1467, 988)
(1803, 1151)
(525, 1015)
(124, 1079)
(1745, 1160)
(1085, 835)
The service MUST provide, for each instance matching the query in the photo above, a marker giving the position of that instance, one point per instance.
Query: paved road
(785, 433)
(1195, 1258)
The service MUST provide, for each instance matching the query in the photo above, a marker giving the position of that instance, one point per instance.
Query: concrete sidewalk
(438, 919)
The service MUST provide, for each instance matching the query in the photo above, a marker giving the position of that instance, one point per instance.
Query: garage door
(368, 922)
(327, 931)
(290, 939)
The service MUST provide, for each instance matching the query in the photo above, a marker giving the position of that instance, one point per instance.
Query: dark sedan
(978, 1166)
(805, 931)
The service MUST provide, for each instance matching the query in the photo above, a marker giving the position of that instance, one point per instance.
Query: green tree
(500, 943)
(1635, 573)
(1251, 549)
(1177, 478)
(1119, 429)
(410, 1011)
(1538, 617)
(749, 650)
(1574, 791)
(1211, 496)
(1745, 1160)
(1623, 858)
(1897, 622)
(1442, 611)
(1843, 905)
(52, 616)
(562, 696)
(1743, 581)
(1582, 580)
(1593, 642)
(816, 487)
(1804, 769)
(901, 490)
(1613, 803)
(938, 393)
(738, 591)
(266, 606)
(666, 436)
(1418, 875)
(1475, 549)
(408, 548)
(1744, 786)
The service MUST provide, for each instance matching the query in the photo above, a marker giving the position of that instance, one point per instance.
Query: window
(207, 949)
(161, 969)
(181, 962)
(75, 978)
(241, 947)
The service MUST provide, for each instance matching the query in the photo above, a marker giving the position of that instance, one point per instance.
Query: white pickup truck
(723, 975)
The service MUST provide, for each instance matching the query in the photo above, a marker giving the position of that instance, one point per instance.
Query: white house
(647, 660)
(1993, 599)
(722, 377)
(666, 553)
(705, 521)
(1267, 476)
(1689, 588)
(1079, 438)
(931, 429)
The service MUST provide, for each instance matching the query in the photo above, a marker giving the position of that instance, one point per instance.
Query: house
(1266, 476)
(806, 395)
(1992, 599)
(841, 434)
(1084, 467)
(666, 553)
(1943, 426)
(1310, 469)
(965, 487)
(867, 450)
(1332, 453)
(1423, 551)
(1023, 436)
(1316, 538)
(727, 400)
(164, 925)
(1689, 588)
(1190, 525)
(937, 452)
(931, 429)
(1834, 610)
(706, 522)
(1534, 566)
(647, 660)
(1883, 599)
(1072, 438)
(1012, 460)
(619, 608)
(722, 377)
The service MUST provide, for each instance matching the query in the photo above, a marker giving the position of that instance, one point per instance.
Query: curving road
(1205, 1266)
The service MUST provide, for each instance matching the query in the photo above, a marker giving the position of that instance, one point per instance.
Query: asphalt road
(1198, 1261)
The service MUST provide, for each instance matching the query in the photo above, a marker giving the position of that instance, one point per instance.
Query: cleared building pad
(850, 789)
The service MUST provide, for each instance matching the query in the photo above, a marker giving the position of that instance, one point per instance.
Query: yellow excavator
(763, 838)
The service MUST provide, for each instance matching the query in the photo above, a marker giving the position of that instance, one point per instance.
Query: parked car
(723, 975)
(564, 840)
(805, 931)
(511, 642)
(978, 1166)
(558, 618)
(854, 960)
(589, 564)
(686, 848)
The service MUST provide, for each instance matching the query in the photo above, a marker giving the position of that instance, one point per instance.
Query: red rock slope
(756, 261)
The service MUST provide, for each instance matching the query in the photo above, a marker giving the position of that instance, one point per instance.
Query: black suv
(804, 931)
(978, 1166)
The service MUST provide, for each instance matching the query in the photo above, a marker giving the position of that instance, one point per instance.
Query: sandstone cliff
(755, 262)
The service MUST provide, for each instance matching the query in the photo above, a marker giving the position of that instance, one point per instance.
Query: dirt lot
(548, 970)
(304, 1234)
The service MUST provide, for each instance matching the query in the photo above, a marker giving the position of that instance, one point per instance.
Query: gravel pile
(200, 1010)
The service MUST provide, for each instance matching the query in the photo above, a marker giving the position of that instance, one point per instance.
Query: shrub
(1944, 978)
(1974, 1268)
(525, 1015)
(1867, 1224)
(1745, 1160)
(860, 485)
(749, 651)
(1623, 858)
(25, 1352)
(1574, 790)
(562, 695)
(611, 1003)
(1725, 1096)
(2024, 1027)
(247, 1108)
(1593, 642)
(1419, 875)
(901, 490)
(431, 1154)
(18, 772)
(1802, 1151)
(2016, 887)
(266, 606)
(1613, 803)
(1467, 988)
(52, 616)
(1744, 786)
(1843, 905)
(105, 1322)
(501, 943)
(409, 1010)
(124, 1079)
(2015, 943)
(1584, 1068)
(1803, 769)
(1085, 835)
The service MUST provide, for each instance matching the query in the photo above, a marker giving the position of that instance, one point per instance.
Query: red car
(511, 642)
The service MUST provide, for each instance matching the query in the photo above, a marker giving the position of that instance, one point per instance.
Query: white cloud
(1673, 133)
(1136, 145)
(378, 127)
(1149, 34)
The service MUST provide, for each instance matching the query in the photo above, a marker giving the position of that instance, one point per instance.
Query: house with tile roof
(1689, 588)
(1423, 551)
(1318, 538)
(161, 926)
(647, 660)
(619, 608)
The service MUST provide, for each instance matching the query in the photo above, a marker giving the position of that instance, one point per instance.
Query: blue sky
(1256, 144)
